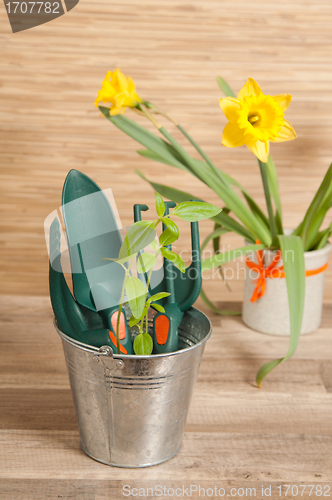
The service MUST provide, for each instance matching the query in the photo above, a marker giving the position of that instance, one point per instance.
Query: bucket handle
(107, 351)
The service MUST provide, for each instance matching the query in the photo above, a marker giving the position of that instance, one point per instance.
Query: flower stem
(158, 111)
(150, 117)
(200, 150)
(185, 133)
(272, 221)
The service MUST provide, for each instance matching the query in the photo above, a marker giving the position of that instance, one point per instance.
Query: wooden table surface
(236, 435)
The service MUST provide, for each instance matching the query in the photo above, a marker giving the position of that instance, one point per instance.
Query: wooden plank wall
(50, 75)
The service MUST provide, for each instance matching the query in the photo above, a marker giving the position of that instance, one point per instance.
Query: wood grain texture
(49, 80)
(236, 435)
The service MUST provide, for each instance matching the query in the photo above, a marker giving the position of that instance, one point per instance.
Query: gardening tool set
(90, 314)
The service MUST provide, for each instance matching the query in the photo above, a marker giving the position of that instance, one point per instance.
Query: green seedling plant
(135, 292)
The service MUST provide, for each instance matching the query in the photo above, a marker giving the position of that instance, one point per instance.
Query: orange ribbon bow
(271, 272)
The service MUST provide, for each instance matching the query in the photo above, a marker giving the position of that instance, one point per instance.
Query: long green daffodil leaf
(222, 258)
(227, 179)
(295, 280)
(309, 226)
(175, 153)
(222, 312)
(145, 137)
(226, 193)
(215, 234)
(179, 196)
(225, 87)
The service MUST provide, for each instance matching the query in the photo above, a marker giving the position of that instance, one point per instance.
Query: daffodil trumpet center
(254, 118)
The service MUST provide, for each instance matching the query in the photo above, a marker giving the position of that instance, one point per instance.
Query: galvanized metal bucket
(131, 410)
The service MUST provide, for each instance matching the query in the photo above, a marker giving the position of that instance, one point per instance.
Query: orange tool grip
(162, 329)
(113, 339)
(122, 326)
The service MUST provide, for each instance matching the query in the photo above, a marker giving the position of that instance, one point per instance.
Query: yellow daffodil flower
(119, 91)
(256, 119)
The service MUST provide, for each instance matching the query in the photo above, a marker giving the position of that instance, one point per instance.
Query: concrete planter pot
(270, 313)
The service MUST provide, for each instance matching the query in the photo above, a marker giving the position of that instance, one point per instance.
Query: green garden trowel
(70, 319)
(92, 235)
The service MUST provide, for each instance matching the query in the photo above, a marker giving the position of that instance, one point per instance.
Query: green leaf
(321, 238)
(174, 258)
(143, 344)
(200, 165)
(170, 234)
(145, 262)
(195, 210)
(198, 171)
(317, 222)
(251, 202)
(174, 154)
(158, 307)
(274, 190)
(121, 261)
(225, 192)
(139, 236)
(222, 258)
(133, 321)
(154, 244)
(167, 191)
(222, 312)
(135, 291)
(147, 153)
(178, 196)
(324, 192)
(144, 137)
(158, 296)
(167, 237)
(229, 223)
(160, 205)
(215, 234)
(225, 87)
(313, 233)
(216, 248)
(295, 279)
(256, 209)
(158, 148)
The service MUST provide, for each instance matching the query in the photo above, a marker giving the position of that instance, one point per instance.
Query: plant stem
(146, 295)
(193, 142)
(200, 150)
(272, 221)
(185, 133)
(151, 118)
(146, 323)
(120, 307)
(158, 111)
